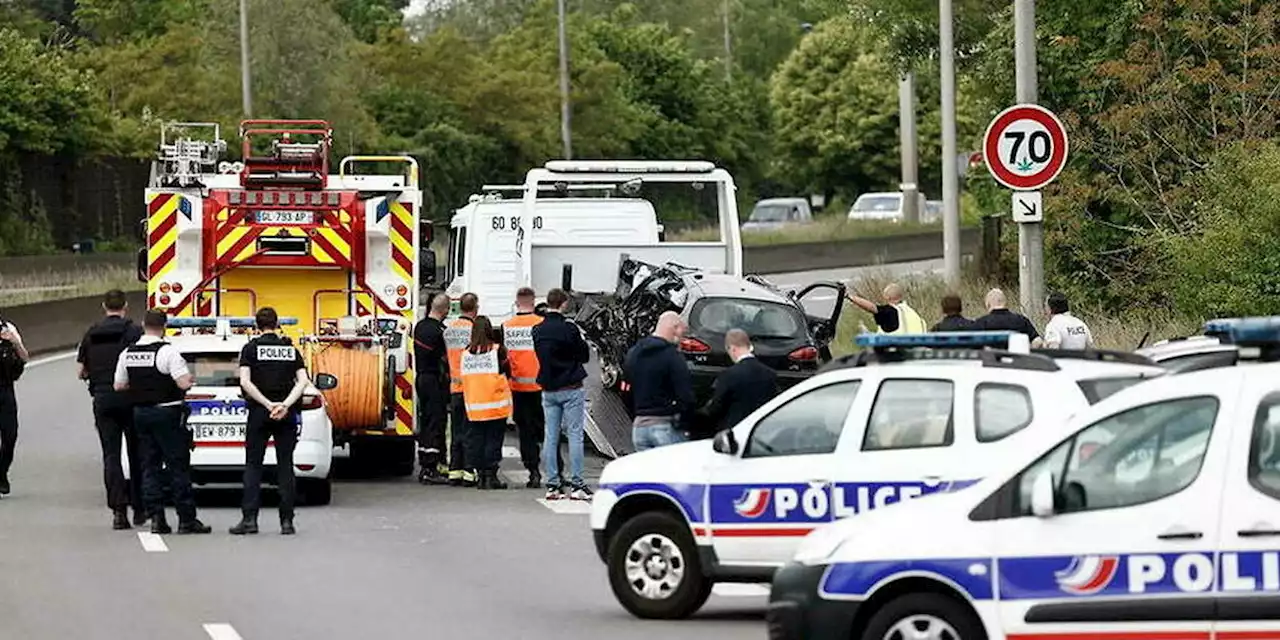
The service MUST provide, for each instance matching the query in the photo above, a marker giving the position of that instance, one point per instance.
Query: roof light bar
(202, 323)
(630, 166)
(1262, 331)
(948, 340)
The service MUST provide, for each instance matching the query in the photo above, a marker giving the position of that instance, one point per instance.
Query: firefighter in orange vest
(517, 337)
(487, 397)
(457, 335)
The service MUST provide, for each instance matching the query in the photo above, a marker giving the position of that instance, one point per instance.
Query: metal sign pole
(1030, 234)
(950, 177)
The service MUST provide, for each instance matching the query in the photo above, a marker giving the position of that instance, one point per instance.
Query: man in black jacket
(952, 317)
(562, 352)
(661, 387)
(112, 413)
(743, 387)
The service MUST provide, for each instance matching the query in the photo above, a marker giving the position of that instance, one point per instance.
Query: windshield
(1100, 389)
(214, 369)
(877, 203)
(761, 320)
(770, 213)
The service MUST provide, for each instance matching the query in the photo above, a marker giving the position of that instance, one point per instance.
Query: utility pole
(950, 179)
(566, 109)
(1030, 234)
(246, 88)
(907, 131)
(728, 44)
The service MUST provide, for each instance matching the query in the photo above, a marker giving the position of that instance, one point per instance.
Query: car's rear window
(1099, 389)
(214, 369)
(762, 320)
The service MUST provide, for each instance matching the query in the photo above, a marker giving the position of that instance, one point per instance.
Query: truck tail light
(803, 354)
(312, 402)
(694, 345)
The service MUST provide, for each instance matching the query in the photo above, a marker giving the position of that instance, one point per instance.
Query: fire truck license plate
(286, 217)
(218, 432)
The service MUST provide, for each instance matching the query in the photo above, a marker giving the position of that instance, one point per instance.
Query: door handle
(1181, 535)
(1258, 533)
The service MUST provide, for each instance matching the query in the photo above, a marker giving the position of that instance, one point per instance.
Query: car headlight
(820, 545)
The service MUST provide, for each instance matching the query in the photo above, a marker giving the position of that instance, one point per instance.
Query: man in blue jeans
(661, 387)
(562, 352)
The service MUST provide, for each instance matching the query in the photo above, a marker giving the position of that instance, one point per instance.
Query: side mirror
(426, 266)
(142, 264)
(426, 232)
(325, 381)
(725, 443)
(1042, 495)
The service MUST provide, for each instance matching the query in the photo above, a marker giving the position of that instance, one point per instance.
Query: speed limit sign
(1025, 147)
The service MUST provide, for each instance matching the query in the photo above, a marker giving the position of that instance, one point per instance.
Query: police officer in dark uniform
(431, 379)
(273, 377)
(156, 377)
(112, 414)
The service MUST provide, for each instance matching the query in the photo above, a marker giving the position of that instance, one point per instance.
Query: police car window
(1264, 452)
(214, 369)
(809, 424)
(1138, 456)
(1000, 410)
(1099, 389)
(910, 414)
(760, 319)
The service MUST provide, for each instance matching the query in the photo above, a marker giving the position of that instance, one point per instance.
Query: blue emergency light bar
(1256, 331)
(236, 322)
(947, 340)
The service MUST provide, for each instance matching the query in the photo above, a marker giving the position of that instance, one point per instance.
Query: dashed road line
(50, 359)
(152, 543)
(221, 631)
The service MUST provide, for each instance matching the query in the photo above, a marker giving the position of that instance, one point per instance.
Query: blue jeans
(656, 435)
(565, 409)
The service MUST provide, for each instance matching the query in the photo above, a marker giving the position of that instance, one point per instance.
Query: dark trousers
(113, 417)
(531, 423)
(8, 428)
(433, 411)
(458, 430)
(165, 445)
(484, 447)
(259, 428)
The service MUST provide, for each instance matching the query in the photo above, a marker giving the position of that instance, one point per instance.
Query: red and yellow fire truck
(341, 253)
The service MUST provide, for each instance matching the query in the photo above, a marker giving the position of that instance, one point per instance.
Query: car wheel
(654, 568)
(316, 491)
(924, 616)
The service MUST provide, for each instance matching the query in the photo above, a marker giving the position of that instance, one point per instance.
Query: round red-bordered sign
(1025, 147)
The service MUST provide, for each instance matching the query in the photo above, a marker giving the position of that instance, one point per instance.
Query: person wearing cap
(1065, 331)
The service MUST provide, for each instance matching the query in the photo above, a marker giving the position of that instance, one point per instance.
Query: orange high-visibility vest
(457, 335)
(484, 389)
(517, 337)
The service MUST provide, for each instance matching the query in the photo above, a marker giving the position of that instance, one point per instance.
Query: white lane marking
(566, 507)
(221, 631)
(50, 359)
(510, 453)
(152, 543)
(732, 590)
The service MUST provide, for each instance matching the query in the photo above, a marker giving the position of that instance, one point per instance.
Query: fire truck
(344, 254)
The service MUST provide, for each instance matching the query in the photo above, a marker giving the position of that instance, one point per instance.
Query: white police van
(219, 414)
(1170, 530)
(672, 521)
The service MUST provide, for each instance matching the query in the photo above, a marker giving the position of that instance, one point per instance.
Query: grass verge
(820, 230)
(43, 286)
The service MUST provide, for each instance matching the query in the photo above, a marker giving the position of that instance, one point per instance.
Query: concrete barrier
(58, 325)
(860, 252)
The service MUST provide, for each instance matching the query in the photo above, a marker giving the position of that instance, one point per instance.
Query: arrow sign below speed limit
(1025, 147)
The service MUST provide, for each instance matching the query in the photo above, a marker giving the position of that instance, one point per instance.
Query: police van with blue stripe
(1167, 529)
(908, 416)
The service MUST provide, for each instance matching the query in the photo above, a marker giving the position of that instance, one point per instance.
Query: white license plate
(286, 217)
(218, 432)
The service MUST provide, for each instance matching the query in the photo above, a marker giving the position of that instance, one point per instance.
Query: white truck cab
(911, 416)
(1169, 529)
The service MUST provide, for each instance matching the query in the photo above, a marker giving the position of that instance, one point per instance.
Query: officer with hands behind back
(156, 377)
(13, 361)
(273, 377)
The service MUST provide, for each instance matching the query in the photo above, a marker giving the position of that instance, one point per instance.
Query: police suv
(219, 414)
(1170, 529)
(930, 416)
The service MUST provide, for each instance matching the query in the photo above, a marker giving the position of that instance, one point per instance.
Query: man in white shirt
(1064, 330)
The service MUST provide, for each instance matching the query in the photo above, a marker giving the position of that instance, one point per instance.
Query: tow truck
(344, 254)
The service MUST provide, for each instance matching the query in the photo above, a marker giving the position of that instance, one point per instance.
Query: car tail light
(305, 467)
(694, 345)
(803, 354)
(312, 402)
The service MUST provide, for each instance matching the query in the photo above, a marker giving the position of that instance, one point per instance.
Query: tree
(371, 19)
(47, 106)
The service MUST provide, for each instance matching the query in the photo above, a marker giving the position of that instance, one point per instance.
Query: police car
(219, 414)
(1171, 529)
(931, 414)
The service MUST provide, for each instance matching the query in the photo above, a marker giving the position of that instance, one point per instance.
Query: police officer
(157, 378)
(431, 379)
(517, 337)
(457, 337)
(13, 359)
(112, 414)
(273, 377)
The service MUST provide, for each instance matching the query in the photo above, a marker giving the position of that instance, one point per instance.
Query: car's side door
(778, 486)
(1249, 542)
(822, 303)
(1125, 535)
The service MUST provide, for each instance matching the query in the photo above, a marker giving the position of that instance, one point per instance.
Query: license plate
(286, 217)
(218, 432)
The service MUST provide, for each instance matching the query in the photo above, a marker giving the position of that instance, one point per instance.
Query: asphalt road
(387, 559)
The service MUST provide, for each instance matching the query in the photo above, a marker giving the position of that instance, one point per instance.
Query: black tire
(315, 492)
(958, 615)
(692, 591)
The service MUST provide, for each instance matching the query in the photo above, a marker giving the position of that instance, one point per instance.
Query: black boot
(120, 521)
(496, 482)
(483, 483)
(139, 517)
(248, 526)
(470, 478)
(286, 525)
(535, 479)
(193, 526)
(429, 475)
(159, 525)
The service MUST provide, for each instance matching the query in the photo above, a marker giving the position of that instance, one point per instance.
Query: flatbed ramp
(608, 425)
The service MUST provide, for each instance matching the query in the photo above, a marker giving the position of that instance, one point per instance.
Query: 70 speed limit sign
(1025, 147)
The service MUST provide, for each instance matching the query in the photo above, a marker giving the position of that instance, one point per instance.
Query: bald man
(743, 387)
(1000, 318)
(661, 387)
(895, 316)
